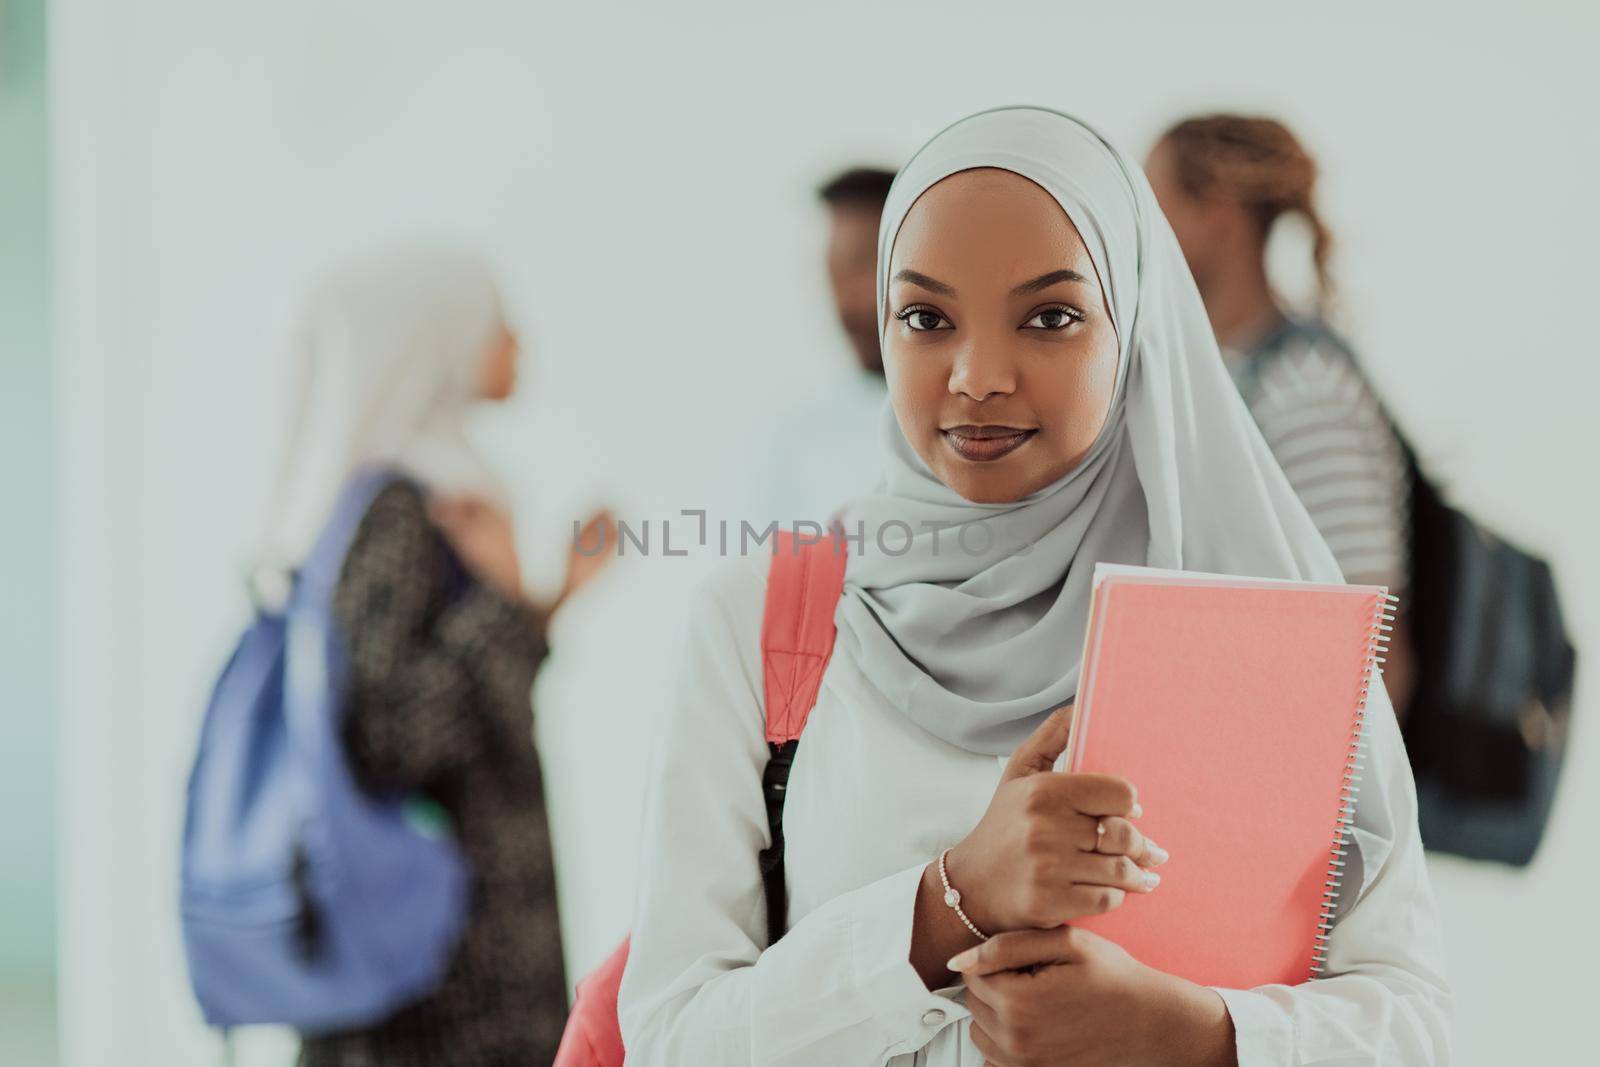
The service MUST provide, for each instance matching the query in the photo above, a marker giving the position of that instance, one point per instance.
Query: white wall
(644, 179)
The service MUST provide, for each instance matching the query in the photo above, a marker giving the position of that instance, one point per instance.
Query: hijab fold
(973, 624)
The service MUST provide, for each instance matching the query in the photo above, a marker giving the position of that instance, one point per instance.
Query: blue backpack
(306, 902)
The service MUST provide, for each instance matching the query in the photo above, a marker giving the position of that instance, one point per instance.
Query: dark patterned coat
(439, 704)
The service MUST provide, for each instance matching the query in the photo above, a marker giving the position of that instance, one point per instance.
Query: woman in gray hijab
(1056, 400)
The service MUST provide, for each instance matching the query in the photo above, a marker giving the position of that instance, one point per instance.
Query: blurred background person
(443, 642)
(854, 199)
(824, 450)
(1481, 666)
(1224, 181)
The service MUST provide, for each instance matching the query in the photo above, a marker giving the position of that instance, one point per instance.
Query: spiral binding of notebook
(1377, 644)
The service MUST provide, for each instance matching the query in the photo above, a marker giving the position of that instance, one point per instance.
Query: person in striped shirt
(1224, 181)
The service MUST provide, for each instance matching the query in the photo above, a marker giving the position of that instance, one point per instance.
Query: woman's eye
(922, 319)
(1053, 319)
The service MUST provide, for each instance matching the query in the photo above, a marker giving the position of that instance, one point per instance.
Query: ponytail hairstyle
(1261, 165)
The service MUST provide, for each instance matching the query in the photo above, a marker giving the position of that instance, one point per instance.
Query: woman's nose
(980, 372)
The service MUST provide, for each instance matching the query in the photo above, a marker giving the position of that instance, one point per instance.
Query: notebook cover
(1234, 707)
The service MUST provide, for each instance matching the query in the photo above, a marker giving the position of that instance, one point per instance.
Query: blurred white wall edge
(207, 160)
(99, 853)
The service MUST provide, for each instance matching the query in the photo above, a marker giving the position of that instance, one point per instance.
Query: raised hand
(591, 552)
(481, 534)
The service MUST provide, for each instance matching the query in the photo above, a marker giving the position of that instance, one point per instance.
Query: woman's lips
(984, 443)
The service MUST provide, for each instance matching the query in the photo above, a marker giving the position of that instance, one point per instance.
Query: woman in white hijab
(1056, 395)
(394, 354)
(391, 356)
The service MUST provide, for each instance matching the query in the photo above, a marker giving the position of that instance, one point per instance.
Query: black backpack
(1486, 727)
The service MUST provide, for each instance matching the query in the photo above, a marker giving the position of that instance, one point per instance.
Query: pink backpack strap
(803, 587)
(593, 1036)
(804, 583)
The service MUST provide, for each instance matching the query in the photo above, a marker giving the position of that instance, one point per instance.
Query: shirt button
(932, 1017)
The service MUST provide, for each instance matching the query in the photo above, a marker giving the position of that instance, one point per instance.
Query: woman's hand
(1051, 847)
(592, 550)
(481, 534)
(1071, 998)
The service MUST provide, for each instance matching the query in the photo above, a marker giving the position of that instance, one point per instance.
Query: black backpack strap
(774, 786)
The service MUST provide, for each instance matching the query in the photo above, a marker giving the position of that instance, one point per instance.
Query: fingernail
(962, 960)
(1138, 810)
(1151, 880)
(1158, 855)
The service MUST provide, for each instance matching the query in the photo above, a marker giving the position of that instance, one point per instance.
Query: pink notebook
(1234, 705)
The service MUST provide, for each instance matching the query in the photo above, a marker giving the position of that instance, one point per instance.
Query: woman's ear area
(1160, 169)
(496, 377)
(1194, 219)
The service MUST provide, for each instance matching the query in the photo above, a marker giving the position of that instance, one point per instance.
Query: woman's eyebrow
(931, 284)
(1045, 281)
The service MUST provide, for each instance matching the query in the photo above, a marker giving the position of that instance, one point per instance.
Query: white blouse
(872, 798)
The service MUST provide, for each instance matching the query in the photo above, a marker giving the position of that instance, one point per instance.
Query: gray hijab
(969, 617)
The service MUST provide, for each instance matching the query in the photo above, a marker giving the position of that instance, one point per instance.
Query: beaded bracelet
(952, 899)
